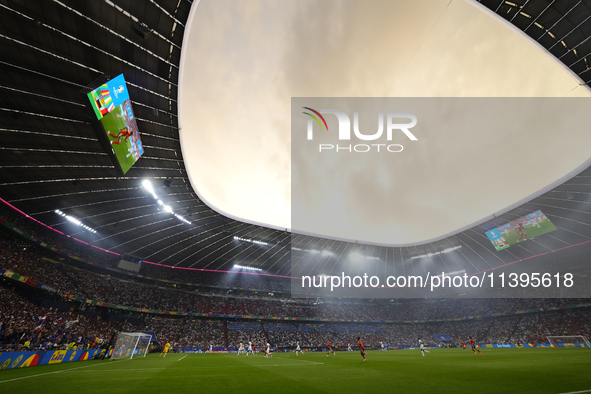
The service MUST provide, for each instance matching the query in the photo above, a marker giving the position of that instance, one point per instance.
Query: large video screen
(112, 107)
(519, 230)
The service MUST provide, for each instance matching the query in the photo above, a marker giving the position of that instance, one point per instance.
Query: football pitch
(556, 370)
(546, 226)
(113, 124)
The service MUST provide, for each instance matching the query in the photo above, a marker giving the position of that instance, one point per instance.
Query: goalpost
(568, 340)
(131, 343)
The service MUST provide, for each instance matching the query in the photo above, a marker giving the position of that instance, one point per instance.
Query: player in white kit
(349, 347)
(268, 351)
(249, 349)
(241, 349)
(422, 347)
(298, 349)
(382, 346)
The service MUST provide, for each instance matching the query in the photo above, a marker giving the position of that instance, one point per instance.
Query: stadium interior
(203, 277)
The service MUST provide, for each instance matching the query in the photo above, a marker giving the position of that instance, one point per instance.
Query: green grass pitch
(556, 370)
(113, 124)
(532, 232)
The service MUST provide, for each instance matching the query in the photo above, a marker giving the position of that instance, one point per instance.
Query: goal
(568, 340)
(131, 343)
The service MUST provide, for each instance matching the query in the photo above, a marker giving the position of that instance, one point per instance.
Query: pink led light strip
(143, 261)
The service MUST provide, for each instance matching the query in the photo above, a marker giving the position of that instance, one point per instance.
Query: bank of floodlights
(250, 240)
(72, 219)
(243, 267)
(147, 185)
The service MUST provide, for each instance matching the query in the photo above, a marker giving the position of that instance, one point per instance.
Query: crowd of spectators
(239, 332)
(26, 324)
(35, 262)
(522, 328)
(227, 280)
(412, 310)
(284, 334)
(186, 332)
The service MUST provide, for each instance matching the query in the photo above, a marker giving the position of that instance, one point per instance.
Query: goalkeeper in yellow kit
(165, 350)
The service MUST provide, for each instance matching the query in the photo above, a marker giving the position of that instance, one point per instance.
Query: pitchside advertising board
(112, 106)
(11, 360)
(359, 164)
(443, 338)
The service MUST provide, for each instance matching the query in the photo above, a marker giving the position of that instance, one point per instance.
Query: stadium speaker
(167, 182)
(141, 29)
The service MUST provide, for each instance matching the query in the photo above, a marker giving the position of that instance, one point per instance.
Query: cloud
(245, 60)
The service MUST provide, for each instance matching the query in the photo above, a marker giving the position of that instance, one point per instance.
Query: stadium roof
(55, 51)
(240, 70)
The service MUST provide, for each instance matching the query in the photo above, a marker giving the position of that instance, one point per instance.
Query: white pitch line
(577, 392)
(50, 373)
(182, 358)
(153, 369)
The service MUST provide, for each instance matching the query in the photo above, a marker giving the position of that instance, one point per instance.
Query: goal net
(569, 341)
(131, 343)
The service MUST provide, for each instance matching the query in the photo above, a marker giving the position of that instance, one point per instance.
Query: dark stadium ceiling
(53, 50)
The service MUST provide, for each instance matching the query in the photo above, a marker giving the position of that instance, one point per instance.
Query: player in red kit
(519, 230)
(463, 345)
(474, 349)
(329, 350)
(361, 348)
(123, 133)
